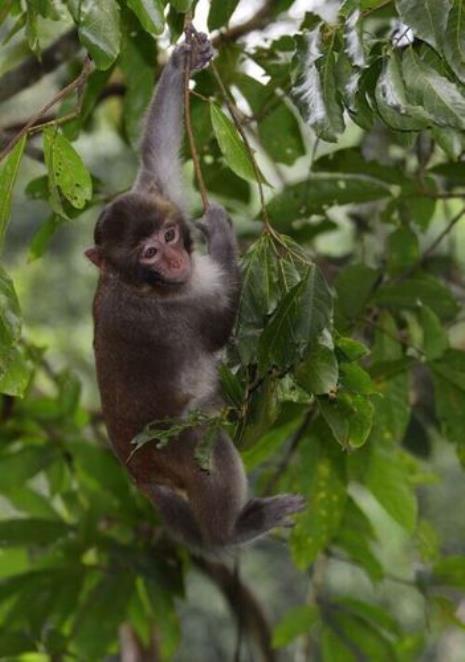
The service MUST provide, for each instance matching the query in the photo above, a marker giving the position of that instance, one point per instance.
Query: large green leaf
(424, 288)
(98, 617)
(320, 191)
(318, 372)
(10, 314)
(450, 571)
(33, 531)
(220, 13)
(427, 18)
(441, 99)
(298, 620)
(323, 481)
(403, 250)
(300, 317)
(454, 42)
(99, 30)
(285, 145)
(387, 479)
(349, 416)
(234, 150)
(315, 93)
(150, 15)
(8, 172)
(23, 464)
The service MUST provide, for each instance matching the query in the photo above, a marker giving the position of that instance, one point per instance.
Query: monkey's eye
(170, 235)
(149, 253)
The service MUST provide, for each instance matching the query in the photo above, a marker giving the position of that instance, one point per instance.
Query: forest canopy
(334, 135)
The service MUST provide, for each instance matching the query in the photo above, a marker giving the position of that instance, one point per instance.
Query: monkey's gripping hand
(199, 50)
(217, 228)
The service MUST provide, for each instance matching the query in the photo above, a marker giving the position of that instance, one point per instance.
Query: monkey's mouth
(152, 277)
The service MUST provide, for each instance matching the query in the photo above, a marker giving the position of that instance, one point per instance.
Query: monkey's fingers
(202, 51)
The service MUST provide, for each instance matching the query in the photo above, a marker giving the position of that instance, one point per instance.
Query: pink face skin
(164, 252)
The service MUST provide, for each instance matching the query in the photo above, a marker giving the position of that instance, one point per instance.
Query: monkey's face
(144, 239)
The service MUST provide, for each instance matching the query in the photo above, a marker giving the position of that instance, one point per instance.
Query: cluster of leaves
(322, 383)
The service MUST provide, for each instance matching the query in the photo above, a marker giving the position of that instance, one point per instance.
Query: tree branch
(244, 605)
(256, 22)
(76, 84)
(32, 70)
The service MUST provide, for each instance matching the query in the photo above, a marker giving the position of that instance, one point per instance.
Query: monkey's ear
(94, 254)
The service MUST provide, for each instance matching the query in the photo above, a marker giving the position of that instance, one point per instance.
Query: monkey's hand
(200, 51)
(215, 221)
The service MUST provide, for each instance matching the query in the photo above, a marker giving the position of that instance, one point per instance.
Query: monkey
(163, 313)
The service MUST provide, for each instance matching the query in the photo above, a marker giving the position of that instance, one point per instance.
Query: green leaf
(99, 30)
(454, 41)
(220, 13)
(318, 372)
(315, 93)
(138, 54)
(387, 479)
(435, 339)
(323, 481)
(285, 145)
(320, 191)
(41, 239)
(269, 443)
(181, 5)
(423, 289)
(354, 287)
(150, 15)
(427, 19)
(295, 622)
(349, 416)
(403, 250)
(8, 172)
(10, 315)
(234, 150)
(350, 160)
(392, 102)
(17, 372)
(450, 571)
(449, 389)
(300, 317)
(68, 172)
(441, 99)
(23, 464)
(33, 531)
(98, 617)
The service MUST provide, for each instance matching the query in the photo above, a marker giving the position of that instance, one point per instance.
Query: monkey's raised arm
(160, 168)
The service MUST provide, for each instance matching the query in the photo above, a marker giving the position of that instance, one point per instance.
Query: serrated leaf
(392, 102)
(454, 41)
(99, 30)
(8, 172)
(315, 92)
(232, 147)
(427, 19)
(427, 88)
(150, 15)
(300, 317)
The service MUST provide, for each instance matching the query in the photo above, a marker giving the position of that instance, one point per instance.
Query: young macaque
(162, 313)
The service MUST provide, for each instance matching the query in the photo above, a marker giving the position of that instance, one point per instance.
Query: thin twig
(189, 32)
(77, 83)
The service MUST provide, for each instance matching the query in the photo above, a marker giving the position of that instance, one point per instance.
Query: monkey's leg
(176, 514)
(218, 497)
(261, 515)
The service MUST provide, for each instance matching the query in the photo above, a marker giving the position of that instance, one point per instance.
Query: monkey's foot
(261, 515)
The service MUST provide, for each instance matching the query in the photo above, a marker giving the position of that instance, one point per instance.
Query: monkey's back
(149, 355)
